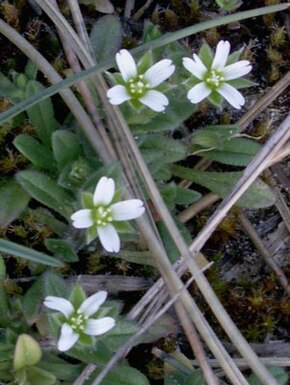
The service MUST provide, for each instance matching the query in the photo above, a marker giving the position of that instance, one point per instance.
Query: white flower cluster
(103, 214)
(140, 87)
(79, 321)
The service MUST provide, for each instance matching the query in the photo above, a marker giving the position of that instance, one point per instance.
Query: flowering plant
(77, 319)
(101, 214)
(214, 76)
(139, 85)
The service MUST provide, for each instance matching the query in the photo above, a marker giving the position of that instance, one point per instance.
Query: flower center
(78, 321)
(214, 78)
(138, 87)
(102, 216)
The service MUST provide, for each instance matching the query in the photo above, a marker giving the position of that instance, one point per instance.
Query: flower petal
(197, 93)
(67, 338)
(196, 66)
(60, 304)
(96, 327)
(155, 100)
(118, 95)
(221, 55)
(109, 238)
(92, 304)
(159, 72)
(237, 69)
(82, 219)
(130, 209)
(104, 191)
(232, 96)
(126, 64)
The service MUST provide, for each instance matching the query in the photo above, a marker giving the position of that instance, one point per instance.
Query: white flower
(215, 77)
(103, 214)
(140, 86)
(78, 321)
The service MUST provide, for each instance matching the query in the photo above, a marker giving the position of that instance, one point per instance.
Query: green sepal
(145, 62)
(241, 83)
(86, 341)
(234, 57)
(91, 234)
(123, 227)
(216, 99)
(206, 55)
(77, 296)
(87, 200)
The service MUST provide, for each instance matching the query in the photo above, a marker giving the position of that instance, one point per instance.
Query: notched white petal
(126, 210)
(237, 70)
(126, 64)
(99, 326)
(104, 191)
(159, 72)
(82, 219)
(221, 55)
(196, 66)
(109, 238)
(197, 93)
(92, 304)
(118, 95)
(232, 96)
(155, 100)
(59, 304)
(67, 338)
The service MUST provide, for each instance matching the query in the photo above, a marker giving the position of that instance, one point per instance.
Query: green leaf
(236, 152)
(37, 376)
(106, 37)
(66, 147)
(61, 249)
(99, 356)
(41, 115)
(213, 136)
(31, 70)
(55, 285)
(13, 200)
(9, 90)
(278, 373)
(16, 250)
(179, 109)
(27, 352)
(259, 195)
(123, 375)
(170, 247)
(171, 150)
(31, 301)
(62, 369)
(5, 307)
(39, 155)
(120, 334)
(46, 191)
(185, 196)
(228, 5)
(179, 371)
